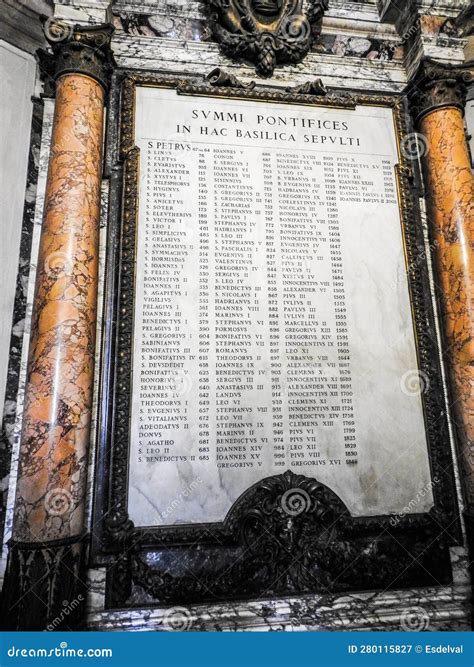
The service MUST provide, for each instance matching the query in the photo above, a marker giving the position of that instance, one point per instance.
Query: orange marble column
(438, 97)
(450, 185)
(57, 411)
(48, 524)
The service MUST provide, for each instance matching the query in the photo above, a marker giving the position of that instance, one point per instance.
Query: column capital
(437, 85)
(78, 49)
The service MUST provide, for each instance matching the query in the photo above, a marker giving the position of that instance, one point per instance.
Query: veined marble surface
(445, 607)
(18, 72)
(428, 609)
(199, 58)
(38, 220)
(14, 342)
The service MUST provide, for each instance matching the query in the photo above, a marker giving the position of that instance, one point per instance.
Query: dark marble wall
(20, 306)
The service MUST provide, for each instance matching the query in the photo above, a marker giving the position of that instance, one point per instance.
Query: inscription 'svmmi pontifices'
(267, 335)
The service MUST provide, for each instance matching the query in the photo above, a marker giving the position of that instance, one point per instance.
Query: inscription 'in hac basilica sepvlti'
(248, 357)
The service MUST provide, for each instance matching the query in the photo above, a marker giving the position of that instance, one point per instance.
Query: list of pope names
(247, 332)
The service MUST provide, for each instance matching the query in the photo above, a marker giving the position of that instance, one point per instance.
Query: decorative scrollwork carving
(296, 524)
(315, 87)
(222, 79)
(287, 534)
(266, 32)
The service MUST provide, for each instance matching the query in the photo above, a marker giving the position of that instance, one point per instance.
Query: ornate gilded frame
(322, 549)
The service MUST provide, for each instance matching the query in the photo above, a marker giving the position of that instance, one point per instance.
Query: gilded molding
(134, 572)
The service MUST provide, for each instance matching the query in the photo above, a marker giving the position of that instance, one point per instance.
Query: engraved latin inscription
(272, 320)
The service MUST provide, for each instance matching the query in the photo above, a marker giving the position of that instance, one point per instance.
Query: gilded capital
(436, 85)
(78, 49)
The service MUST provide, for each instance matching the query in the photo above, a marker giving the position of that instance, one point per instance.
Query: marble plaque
(273, 327)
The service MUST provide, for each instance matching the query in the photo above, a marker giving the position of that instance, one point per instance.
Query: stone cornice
(84, 11)
(462, 25)
(390, 10)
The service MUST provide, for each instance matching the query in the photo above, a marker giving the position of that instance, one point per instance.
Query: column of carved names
(245, 351)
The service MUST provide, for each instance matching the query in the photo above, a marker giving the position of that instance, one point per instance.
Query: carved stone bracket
(78, 49)
(436, 85)
(315, 87)
(266, 32)
(222, 79)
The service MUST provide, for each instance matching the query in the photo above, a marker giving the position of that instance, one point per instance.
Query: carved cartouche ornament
(266, 32)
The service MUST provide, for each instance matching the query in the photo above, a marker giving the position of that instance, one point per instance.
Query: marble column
(437, 96)
(48, 529)
(470, 118)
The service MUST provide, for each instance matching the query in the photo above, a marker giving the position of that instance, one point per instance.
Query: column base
(44, 587)
(469, 524)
